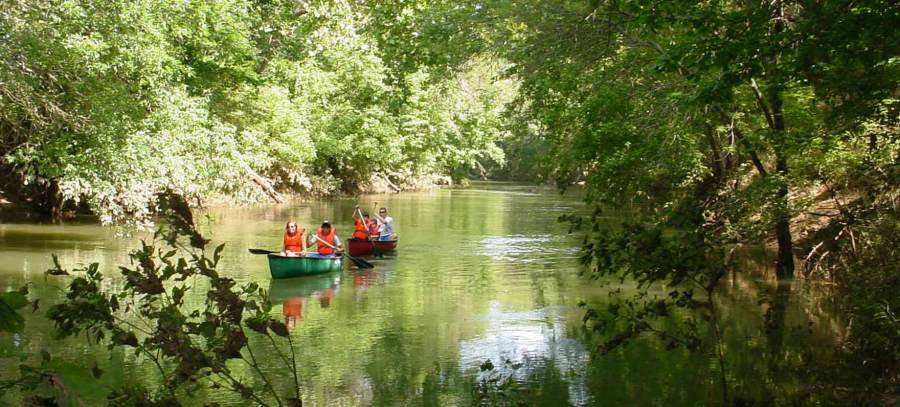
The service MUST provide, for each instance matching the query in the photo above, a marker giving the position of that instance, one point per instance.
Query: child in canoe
(374, 229)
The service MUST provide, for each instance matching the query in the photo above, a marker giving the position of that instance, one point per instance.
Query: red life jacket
(360, 231)
(322, 247)
(294, 243)
(373, 228)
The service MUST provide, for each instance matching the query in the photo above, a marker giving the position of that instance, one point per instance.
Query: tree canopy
(111, 103)
(714, 124)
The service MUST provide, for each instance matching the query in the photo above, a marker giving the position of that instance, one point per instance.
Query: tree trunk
(390, 184)
(481, 171)
(265, 185)
(54, 201)
(784, 266)
(716, 163)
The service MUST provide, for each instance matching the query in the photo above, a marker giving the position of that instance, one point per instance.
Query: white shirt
(387, 226)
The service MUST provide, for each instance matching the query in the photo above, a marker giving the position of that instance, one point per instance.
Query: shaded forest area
(718, 124)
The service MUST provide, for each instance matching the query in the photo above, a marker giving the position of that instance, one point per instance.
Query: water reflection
(365, 278)
(512, 246)
(480, 276)
(521, 344)
(292, 309)
(293, 294)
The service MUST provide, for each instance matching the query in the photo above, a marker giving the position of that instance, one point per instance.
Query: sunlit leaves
(116, 102)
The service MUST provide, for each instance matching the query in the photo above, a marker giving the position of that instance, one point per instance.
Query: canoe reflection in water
(294, 293)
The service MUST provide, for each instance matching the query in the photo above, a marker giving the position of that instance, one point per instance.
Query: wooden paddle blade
(360, 262)
(260, 251)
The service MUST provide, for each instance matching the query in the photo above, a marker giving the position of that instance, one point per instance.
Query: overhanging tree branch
(740, 136)
(760, 101)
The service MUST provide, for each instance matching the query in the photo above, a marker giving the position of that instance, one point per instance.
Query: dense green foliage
(726, 122)
(112, 102)
(716, 124)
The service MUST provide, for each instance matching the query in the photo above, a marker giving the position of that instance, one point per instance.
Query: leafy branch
(189, 345)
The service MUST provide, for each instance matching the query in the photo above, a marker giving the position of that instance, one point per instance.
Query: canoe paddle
(264, 251)
(357, 261)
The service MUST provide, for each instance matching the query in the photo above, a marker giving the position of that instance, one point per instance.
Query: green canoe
(287, 267)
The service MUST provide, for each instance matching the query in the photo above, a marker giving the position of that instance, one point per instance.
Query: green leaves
(10, 303)
(279, 328)
(117, 102)
(188, 343)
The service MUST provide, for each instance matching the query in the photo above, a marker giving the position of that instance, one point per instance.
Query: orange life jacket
(360, 230)
(322, 247)
(294, 243)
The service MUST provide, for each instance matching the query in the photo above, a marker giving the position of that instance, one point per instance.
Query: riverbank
(21, 200)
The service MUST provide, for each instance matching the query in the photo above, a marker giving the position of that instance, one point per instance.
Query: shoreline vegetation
(27, 208)
(718, 125)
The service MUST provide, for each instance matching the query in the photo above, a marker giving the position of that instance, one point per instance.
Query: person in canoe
(326, 240)
(360, 225)
(386, 223)
(374, 229)
(294, 242)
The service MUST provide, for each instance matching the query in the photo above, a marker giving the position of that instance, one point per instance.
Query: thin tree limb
(761, 102)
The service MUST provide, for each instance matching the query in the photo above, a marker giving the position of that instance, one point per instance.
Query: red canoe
(357, 247)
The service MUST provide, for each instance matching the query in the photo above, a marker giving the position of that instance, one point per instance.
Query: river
(481, 274)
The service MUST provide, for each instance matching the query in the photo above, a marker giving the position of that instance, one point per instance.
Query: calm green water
(481, 274)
